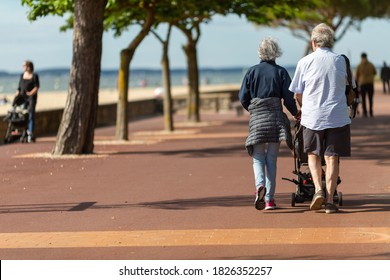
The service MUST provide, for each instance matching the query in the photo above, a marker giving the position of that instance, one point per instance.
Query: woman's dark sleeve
(244, 93)
(36, 80)
(288, 96)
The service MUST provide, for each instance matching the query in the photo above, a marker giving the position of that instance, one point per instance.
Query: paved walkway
(188, 195)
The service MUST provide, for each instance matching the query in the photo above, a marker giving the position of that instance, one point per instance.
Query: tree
(166, 77)
(341, 15)
(190, 15)
(76, 132)
(192, 33)
(120, 17)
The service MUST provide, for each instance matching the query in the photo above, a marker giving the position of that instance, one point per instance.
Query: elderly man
(319, 84)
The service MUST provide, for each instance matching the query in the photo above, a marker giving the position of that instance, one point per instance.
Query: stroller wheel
(23, 138)
(340, 202)
(7, 139)
(293, 199)
(338, 198)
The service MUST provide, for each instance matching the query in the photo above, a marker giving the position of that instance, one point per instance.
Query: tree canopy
(341, 15)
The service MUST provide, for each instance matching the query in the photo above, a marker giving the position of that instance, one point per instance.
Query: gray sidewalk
(188, 195)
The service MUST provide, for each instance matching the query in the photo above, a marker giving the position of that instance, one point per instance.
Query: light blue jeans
(265, 156)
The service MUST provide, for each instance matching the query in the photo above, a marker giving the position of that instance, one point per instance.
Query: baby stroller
(304, 183)
(17, 119)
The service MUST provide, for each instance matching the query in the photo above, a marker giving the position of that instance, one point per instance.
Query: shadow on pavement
(50, 207)
(353, 203)
(371, 139)
(236, 150)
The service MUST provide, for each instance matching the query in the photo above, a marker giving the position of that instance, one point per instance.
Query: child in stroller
(17, 119)
(304, 183)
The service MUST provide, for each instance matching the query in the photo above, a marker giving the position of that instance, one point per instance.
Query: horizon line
(153, 69)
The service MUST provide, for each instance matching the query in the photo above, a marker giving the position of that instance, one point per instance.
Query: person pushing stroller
(29, 86)
(319, 84)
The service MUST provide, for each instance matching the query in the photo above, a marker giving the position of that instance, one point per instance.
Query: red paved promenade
(188, 195)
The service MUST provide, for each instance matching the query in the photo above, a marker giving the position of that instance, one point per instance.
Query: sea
(56, 80)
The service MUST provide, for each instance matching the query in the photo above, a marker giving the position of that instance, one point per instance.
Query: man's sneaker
(318, 199)
(259, 201)
(270, 205)
(331, 208)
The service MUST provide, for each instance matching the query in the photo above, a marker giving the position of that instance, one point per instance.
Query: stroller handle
(19, 100)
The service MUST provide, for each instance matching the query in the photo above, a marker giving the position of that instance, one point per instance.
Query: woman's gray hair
(323, 35)
(269, 49)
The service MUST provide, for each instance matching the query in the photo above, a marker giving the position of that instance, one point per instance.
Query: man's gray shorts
(328, 142)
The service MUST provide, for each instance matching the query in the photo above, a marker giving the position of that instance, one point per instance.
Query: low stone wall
(47, 122)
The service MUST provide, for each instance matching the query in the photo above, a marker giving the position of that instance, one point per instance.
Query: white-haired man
(319, 84)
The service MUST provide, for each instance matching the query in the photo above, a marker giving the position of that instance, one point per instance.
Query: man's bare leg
(332, 175)
(315, 167)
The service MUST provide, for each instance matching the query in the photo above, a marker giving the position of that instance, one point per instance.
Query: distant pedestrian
(4, 100)
(29, 86)
(385, 77)
(262, 90)
(365, 75)
(319, 84)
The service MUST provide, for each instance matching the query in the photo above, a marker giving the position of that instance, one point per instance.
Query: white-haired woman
(264, 87)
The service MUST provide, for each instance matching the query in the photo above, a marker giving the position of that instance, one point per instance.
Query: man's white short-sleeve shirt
(321, 78)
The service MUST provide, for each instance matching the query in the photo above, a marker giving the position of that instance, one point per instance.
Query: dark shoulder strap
(349, 72)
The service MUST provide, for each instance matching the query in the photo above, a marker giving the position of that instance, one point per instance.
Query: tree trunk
(121, 132)
(76, 131)
(193, 81)
(168, 106)
(123, 76)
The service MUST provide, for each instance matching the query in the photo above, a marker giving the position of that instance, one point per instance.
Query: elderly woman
(262, 90)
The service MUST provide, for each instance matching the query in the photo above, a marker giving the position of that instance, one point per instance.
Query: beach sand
(57, 100)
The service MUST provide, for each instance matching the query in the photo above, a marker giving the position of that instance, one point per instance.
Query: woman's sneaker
(270, 205)
(259, 201)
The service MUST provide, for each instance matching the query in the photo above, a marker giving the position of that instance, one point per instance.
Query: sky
(225, 42)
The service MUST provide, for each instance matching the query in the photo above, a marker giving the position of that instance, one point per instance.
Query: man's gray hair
(269, 49)
(323, 35)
